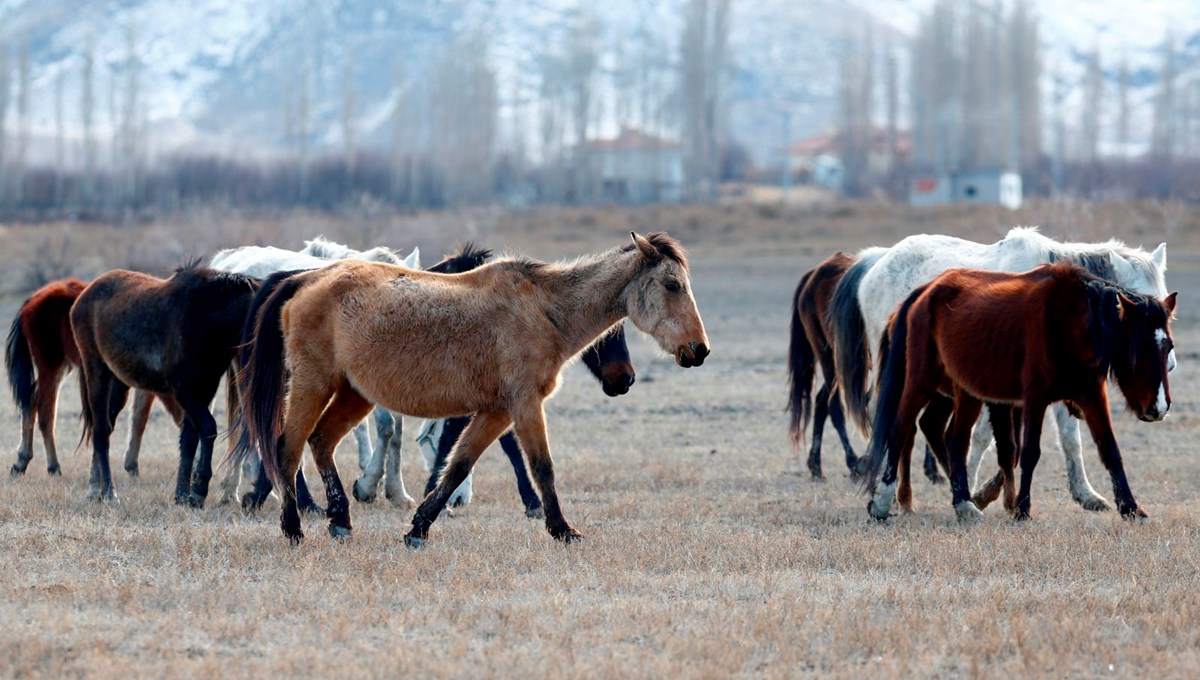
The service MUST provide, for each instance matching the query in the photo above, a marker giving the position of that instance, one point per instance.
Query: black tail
(802, 367)
(19, 361)
(261, 381)
(893, 358)
(853, 359)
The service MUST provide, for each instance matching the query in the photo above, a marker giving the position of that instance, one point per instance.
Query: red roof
(830, 141)
(632, 139)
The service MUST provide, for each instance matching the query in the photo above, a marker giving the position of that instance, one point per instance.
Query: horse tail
(802, 364)
(19, 360)
(851, 351)
(893, 367)
(263, 373)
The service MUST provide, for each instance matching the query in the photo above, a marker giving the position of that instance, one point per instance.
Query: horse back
(46, 322)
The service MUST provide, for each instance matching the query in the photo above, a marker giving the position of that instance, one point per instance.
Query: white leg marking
(1072, 448)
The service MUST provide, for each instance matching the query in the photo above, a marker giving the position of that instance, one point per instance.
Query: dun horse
(490, 342)
(175, 336)
(607, 359)
(1053, 334)
(41, 350)
(812, 345)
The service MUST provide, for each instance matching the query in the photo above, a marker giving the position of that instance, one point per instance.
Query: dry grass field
(710, 553)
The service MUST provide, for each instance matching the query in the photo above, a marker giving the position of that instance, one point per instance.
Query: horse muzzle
(619, 382)
(692, 354)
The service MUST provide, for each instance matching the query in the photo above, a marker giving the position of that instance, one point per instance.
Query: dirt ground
(709, 551)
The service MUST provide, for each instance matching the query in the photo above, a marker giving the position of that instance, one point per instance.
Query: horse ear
(1123, 303)
(647, 249)
(1160, 256)
(1169, 303)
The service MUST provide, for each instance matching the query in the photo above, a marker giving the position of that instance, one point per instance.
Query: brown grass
(709, 554)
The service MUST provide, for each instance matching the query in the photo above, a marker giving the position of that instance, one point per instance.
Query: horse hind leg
(529, 497)
(483, 429)
(346, 410)
(25, 452)
(362, 442)
(820, 412)
(966, 413)
(139, 419)
(107, 395)
(1002, 425)
(366, 487)
(47, 405)
(394, 487)
(1068, 437)
(838, 417)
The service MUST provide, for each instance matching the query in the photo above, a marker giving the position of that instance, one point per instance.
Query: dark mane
(468, 257)
(666, 246)
(194, 270)
(1110, 339)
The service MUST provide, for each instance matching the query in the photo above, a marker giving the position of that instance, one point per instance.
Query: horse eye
(671, 286)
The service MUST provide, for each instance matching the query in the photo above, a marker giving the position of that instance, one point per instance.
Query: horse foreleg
(529, 497)
(981, 442)
(107, 395)
(233, 476)
(138, 419)
(484, 428)
(1000, 417)
(367, 486)
(1068, 437)
(452, 429)
(933, 426)
(394, 486)
(308, 394)
(1099, 422)
(530, 426)
(346, 410)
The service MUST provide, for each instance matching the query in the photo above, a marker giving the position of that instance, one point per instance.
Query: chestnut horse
(489, 342)
(1055, 333)
(175, 336)
(41, 350)
(812, 345)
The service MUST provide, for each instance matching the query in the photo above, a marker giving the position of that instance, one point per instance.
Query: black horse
(607, 359)
(176, 337)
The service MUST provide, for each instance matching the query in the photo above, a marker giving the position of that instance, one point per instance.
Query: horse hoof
(250, 503)
(1133, 514)
(312, 509)
(414, 542)
(567, 535)
(339, 533)
(16, 471)
(1021, 516)
(967, 512)
(54, 471)
(935, 479)
(132, 470)
(535, 512)
(817, 476)
(295, 539)
(876, 512)
(1093, 503)
(195, 500)
(402, 501)
(360, 494)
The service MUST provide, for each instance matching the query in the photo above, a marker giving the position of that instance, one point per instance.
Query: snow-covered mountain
(218, 74)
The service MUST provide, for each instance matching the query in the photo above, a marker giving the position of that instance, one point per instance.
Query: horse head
(1143, 350)
(608, 360)
(659, 300)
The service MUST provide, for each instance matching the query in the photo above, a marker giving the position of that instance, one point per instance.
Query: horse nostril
(629, 379)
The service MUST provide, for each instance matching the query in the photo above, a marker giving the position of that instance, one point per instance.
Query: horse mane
(321, 247)
(1095, 258)
(1104, 322)
(195, 270)
(469, 256)
(667, 246)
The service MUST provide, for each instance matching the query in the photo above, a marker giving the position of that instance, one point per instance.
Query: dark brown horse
(812, 345)
(1055, 333)
(40, 352)
(175, 336)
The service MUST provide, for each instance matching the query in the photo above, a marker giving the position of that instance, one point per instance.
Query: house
(817, 159)
(636, 167)
(994, 187)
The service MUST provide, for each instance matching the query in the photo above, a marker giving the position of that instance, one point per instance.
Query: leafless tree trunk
(349, 127)
(87, 113)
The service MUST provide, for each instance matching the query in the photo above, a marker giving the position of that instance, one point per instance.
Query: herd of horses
(311, 342)
(926, 334)
(930, 332)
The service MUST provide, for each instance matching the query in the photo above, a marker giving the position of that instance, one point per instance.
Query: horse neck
(588, 297)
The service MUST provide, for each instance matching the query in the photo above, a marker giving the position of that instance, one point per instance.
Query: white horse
(876, 285)
(261, 262)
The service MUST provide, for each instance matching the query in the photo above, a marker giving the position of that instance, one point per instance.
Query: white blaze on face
(1161, 336)
(1160, 404)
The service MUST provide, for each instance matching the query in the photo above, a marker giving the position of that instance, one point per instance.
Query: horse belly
(987, 372)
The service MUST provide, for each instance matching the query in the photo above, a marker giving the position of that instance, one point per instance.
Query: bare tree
(5, 89)
(349, 126)
(1162, 141)
(22, 116)
(703, 64)
(1093, 103)
(1123, 107)
(582, 61)
(87, 112)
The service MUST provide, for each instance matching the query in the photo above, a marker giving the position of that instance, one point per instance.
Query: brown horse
(41, 350)
(175, 336)
(811, 345)
(489, 342)
(1055, 333)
